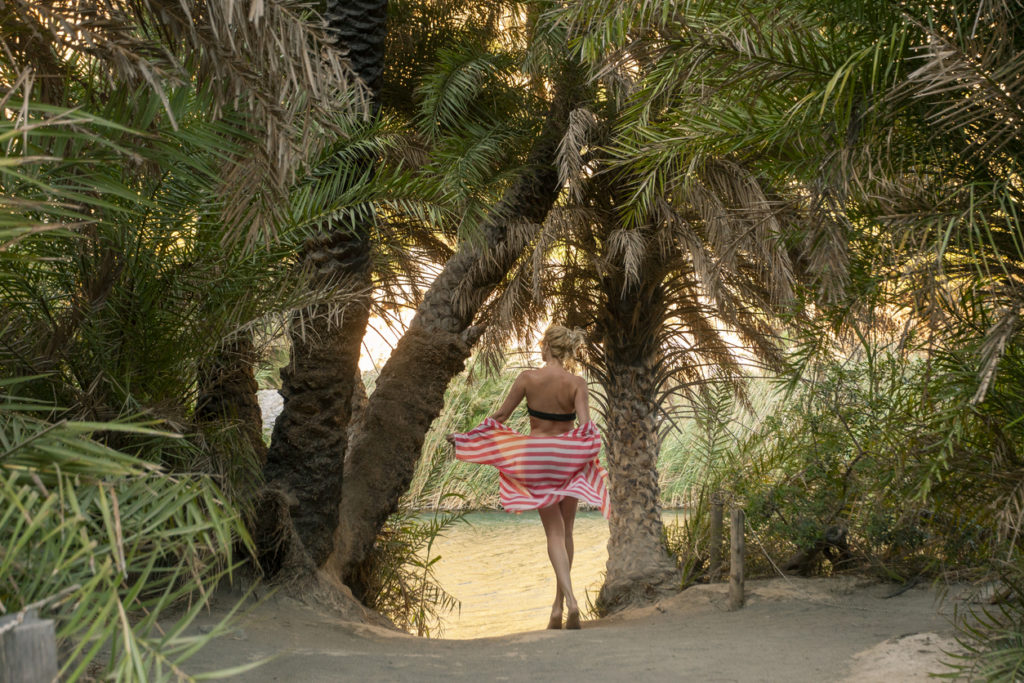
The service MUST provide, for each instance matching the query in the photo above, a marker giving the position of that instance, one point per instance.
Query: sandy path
(791, 630)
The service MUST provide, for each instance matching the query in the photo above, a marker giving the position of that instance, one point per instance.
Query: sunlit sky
(381, 336)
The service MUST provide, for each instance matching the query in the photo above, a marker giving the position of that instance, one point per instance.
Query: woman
(555, 465)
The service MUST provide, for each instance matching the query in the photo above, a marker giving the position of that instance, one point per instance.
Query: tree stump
(28, 649)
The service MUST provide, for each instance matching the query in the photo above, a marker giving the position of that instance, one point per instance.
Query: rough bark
(227, 396)
(361, 30)
(307, 451)
(639, 568)
(410, 389)
(359, 401)
(305, 463)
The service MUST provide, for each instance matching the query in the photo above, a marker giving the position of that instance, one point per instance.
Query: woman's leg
(567, 508)
(554, 529)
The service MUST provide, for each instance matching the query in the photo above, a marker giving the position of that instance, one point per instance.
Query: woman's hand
(450, 438)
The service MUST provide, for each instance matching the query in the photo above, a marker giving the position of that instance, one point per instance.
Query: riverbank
(846, 629)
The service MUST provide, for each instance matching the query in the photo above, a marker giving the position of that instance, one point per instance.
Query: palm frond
(227, 50)
(93, 534)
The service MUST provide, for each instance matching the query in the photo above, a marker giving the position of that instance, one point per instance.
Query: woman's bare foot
(572, 615)
(556, 611)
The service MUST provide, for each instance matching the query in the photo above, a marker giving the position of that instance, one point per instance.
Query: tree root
(635, 591)
(287, 567)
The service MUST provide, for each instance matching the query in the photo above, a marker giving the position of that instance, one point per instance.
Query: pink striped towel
(538, 471)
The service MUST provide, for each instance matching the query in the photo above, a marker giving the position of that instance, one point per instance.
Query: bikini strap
(554, 417)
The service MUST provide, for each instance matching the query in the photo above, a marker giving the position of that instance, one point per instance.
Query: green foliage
(849, 454)
(703, 439)
(687, 540)
(399, 573)
(992, 637)
(862, 155)
(478, 121)
(877, 460)
(115, 273)
(107, 544)
(469, 398)
(693, 467)
(900, 125)
(835, 455)
(122, 272)
(268, 372)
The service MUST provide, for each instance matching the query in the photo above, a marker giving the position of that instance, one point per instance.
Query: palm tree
(900, 124)
(305, 462)
(660, 302)
(226, 400)
(661, 275)
(151, 46)
(116, 285)
(77, 519)
(508, 162)
(464, 154)
(410, 388)
(385, 447)
(138, 188)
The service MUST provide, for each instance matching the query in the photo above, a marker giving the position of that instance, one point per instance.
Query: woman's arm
(515, 395)
(582, 402)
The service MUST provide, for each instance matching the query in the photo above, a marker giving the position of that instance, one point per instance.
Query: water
(497, 566)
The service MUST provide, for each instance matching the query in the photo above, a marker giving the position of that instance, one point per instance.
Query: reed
(399, 574)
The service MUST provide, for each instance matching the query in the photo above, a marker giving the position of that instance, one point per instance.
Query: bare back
(550, 389)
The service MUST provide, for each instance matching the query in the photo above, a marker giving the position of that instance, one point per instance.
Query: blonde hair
(562, 342)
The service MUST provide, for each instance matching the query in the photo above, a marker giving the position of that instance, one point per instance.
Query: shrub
(107, 544)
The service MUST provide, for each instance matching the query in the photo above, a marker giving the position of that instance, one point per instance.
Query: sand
(791, 629)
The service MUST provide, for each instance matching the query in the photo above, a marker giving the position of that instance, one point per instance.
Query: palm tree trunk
(227, 396)
(639, 568)
(410, 389)
(307, 450)
(305, 463)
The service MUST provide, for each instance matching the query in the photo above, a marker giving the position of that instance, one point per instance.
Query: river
(497, 565)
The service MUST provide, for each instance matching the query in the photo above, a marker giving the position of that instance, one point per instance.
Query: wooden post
(737, 552)
(715, 563)
(28, 649)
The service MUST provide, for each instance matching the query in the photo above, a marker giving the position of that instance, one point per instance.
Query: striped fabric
(538, 471)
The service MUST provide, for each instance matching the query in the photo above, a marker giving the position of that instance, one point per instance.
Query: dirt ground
(840, 629)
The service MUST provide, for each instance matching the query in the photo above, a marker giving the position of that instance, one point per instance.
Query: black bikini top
(556, 417)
